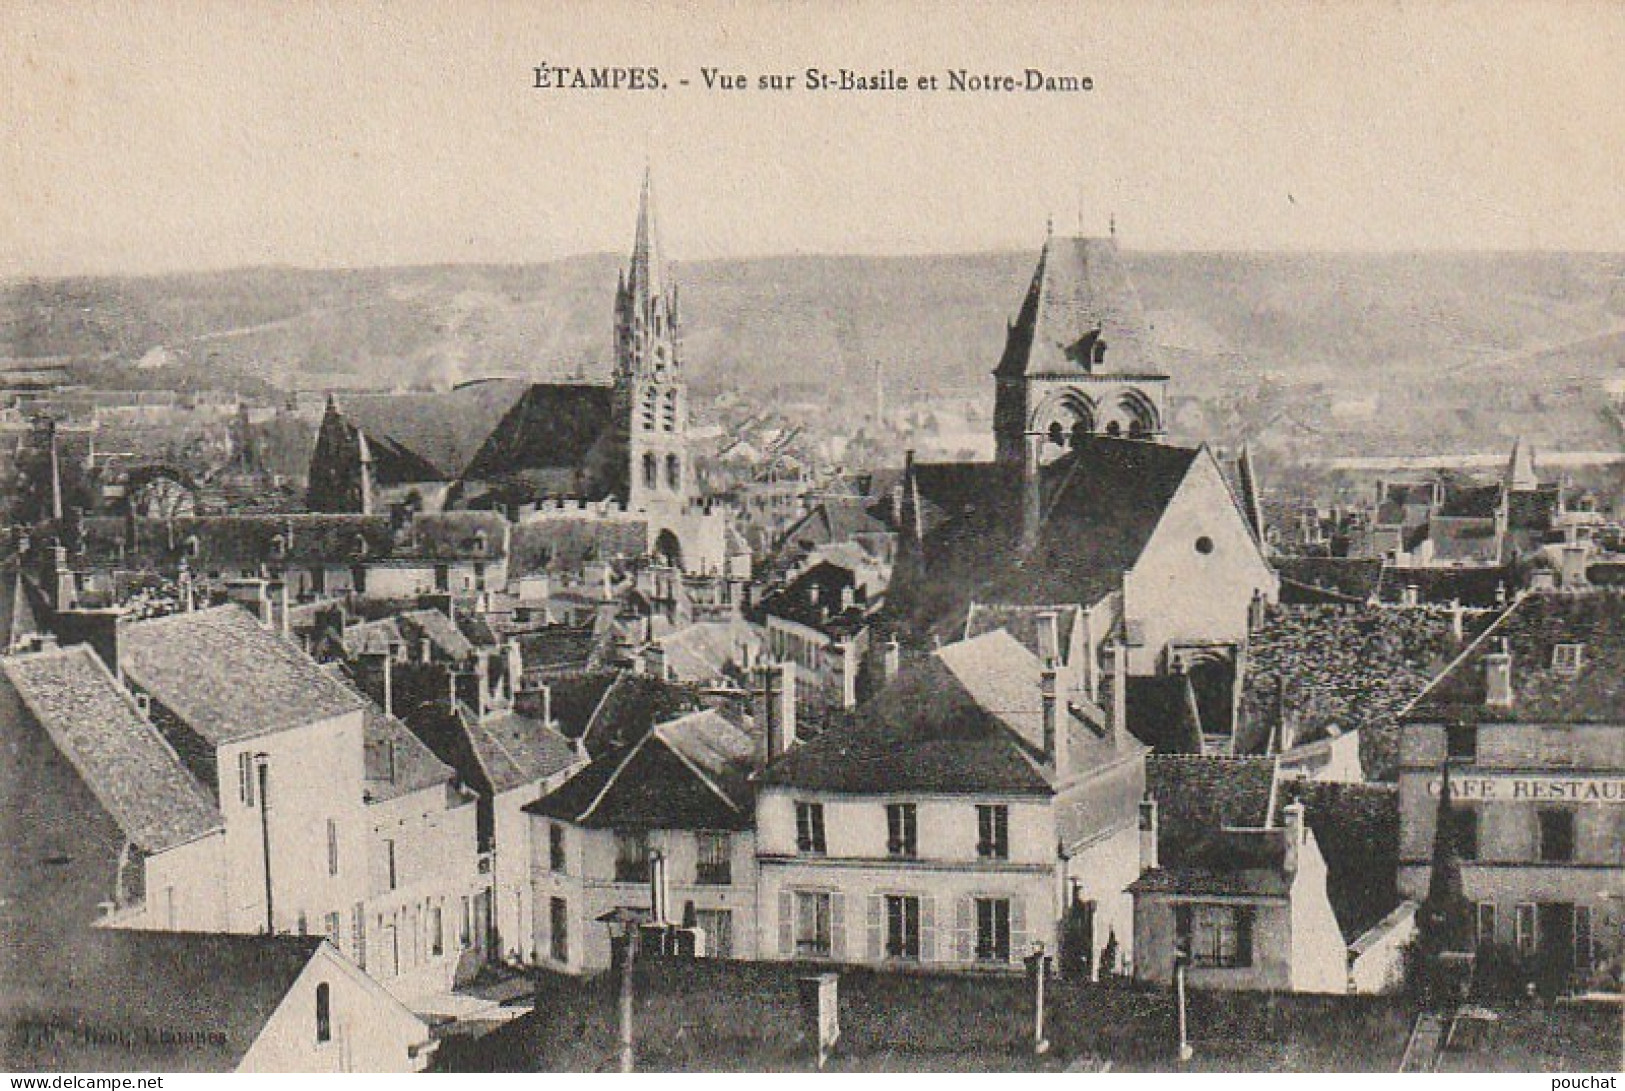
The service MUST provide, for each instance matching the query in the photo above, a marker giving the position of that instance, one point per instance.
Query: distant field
(743, 1017)
(1341, 353)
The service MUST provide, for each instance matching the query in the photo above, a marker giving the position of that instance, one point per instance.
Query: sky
(171, 135)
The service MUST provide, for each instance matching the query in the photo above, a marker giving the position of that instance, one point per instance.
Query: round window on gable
(1204, 545)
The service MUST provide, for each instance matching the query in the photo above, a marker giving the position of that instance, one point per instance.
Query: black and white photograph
(816, 537)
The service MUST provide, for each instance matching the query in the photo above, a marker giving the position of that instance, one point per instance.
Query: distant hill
(1344, 351)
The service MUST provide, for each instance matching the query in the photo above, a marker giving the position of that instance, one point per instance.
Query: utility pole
(262, 773)
(629, 955)
(1185, 1050)
(1037, 964)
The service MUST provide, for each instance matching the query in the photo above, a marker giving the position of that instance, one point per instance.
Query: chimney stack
(849, 673)
(1032, 506)
(659, 890)
(1050, 699)
(1297, 833)
(778, 708)
(1119, 691)
(389, 684)
(1498, 677)
(1148, 835)
(1458, 629)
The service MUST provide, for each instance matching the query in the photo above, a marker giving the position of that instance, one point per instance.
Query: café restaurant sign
(1512, 788)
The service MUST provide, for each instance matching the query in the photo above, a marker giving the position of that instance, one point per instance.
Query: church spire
(645, 277)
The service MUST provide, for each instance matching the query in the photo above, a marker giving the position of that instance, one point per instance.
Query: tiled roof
(1199, 796)
(1101, 502)
(632, 705)
(1351, 579)
(710, 650)
(834, 519)
(1479, 586)
(516, 750)
(1080, 288)
(438, 629)
(1534, 625)
(558, 647)
(1316, 670)
(397, 762)
(688, 773)
(1247, 863)
(967, 719)
(1023, 623)
(228, 677)
(121, 758)
(235, 541)
(456, 536)
(564, 541)
(135, 985)
(381, 637)
(1471, 501)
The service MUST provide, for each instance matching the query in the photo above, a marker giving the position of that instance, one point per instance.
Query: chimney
(1148, 835)
(547, 704)
(1119, 691)
(1498, 677)
(1458, 627)
(1050, 700)
(515, 665)
(451, 687)
(659, 890)
(389, 684)
(1574, 566)
(777, 716)
(849, 673)
(1049, 638)
(1297, 834)
(1032, 509)
(892, 659)
(1411, 596)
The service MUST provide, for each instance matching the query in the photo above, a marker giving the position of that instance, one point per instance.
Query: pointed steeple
(645, 277)
(1520, 473)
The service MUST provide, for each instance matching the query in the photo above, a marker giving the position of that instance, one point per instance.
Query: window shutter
(1525, 930)
(1582, 938)
(1018, 929)
(964, 930)
(837, 927)
(787, 923)
(877, 908)
(928, 929)
(1244, 935)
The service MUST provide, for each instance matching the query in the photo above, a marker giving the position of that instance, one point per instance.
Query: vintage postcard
(1052, 537)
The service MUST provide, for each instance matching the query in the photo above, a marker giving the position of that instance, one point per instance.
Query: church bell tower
(651, 398)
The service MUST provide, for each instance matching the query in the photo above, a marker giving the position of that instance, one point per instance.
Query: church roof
(1101, 503)
(1080, 298)
(552, 427)
(444, 429)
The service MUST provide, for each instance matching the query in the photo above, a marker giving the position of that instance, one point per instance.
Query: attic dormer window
(192, 545)
(1567, 659)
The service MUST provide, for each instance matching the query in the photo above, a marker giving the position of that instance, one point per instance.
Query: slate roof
(1079, 290)
(814, 599)
(444, 429)
(1101, 503)
(121, 758)
(397, 761)
(132, 985)
(1473, 585)
(1245, 863)
(456, 536)
(1532, 627)
(834, 519)
(515, 750)
(1313, 670)
(965, 720)
(235, 541)
(688, 773)
(228, 677)
(553, 426)
(630, 706)
(1161, 711)
(1471, 502)
(439, 630)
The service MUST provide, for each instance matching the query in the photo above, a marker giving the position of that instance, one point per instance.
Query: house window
(442, 577)
(1484, 925)
(1215, 935)
(902, 837)
(437, 931)
(810, 828)
(993, 929)
(389, 857)
(1524, 932)
(1461, 742)
(651, 472)
(332, 847)
(245, 778)
(1567, 659)
(558, 914)
(993, 831)
(903, 927)
(713, 864)
(674, 472)
(555, 848)
(812, 924)
(631, 856)
(1465, 832)
(1556, 835)
(324, 1012)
